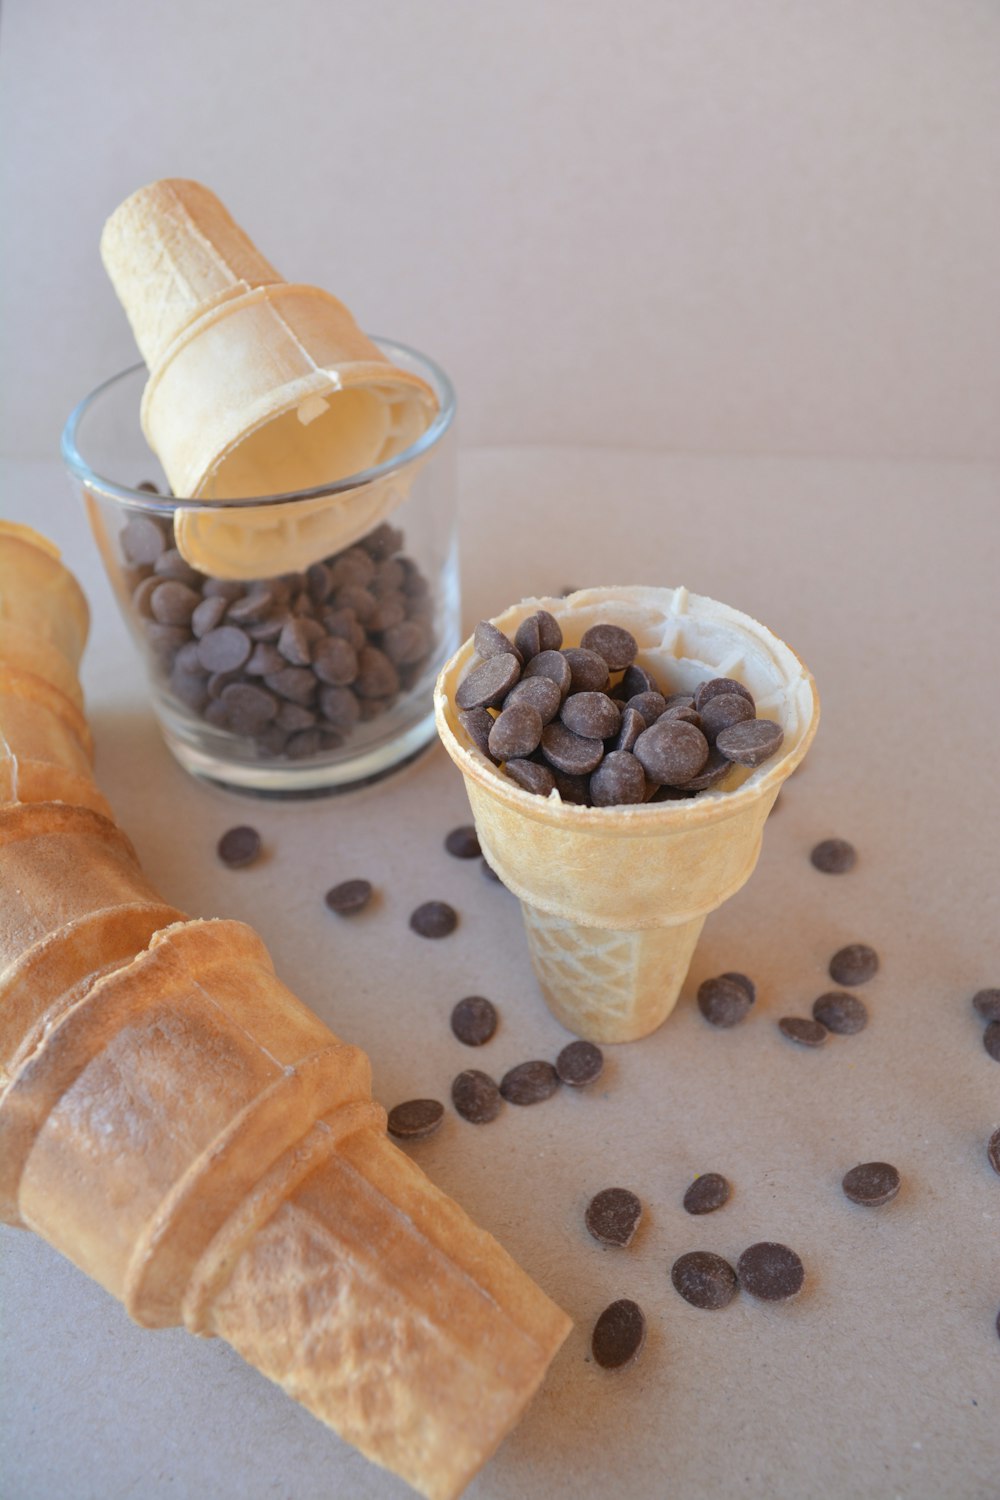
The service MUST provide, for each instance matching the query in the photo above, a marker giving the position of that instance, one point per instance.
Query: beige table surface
(883, 1379)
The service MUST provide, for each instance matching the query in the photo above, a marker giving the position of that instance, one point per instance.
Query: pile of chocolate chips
(590, 722)
(291, 664)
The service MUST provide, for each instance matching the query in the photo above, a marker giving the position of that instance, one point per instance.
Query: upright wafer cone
(614, 899)
(256, 386)
(187, 1132)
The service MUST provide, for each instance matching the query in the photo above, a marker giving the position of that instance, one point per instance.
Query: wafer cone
(614, 899)
(256, 387)
(187, 1132)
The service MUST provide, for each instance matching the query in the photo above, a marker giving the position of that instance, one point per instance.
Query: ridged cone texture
(614, 898)
(182, 1127)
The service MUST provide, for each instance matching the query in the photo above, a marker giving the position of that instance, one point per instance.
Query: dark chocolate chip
(993, 1151)
(638, 680)
(572, 789)
(594, 716)
(476, 1097)
(720, 713)
(148, 487)
(855, 964)
(715, 687)
(528, 639)
(550, 636)
(618, 647)
(463, 842)
(569, 752)
(489, 684)
(707, 1193)
(800, 1029)
(416, 1119)
(632, 726)
(871, 1184)
(335, 661)
(723, 1002)
(715, 769)
(671, 752)
(680, 700)
(588, 671)
(618, 780)
(224, 649)
(840, 1013)
(986, 1004)
(406, 644)
(291, 717)
(489, 641)
(651, 705)
(704, 1279)
(296, 641)
(540, 692)
(477, 724)
(613, 1216)
(834, 856)
(744, 981)
(580, 1063)
(377, 677)
(516, 732)
(239, 847)
(619, 1335)
(349, 897)
(770, 1271)
(554, 666)
(530, 776)
(752, 742)
(303, 743)
(529, 1082)
(434, 919)
(474, 1020)
(143, 540)
(991, 1040)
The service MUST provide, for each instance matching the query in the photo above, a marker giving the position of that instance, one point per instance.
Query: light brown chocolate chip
(239, 847)
(207, 615)
(407, 643)
(638, 680)
(569, 752)
(715, 769)
(671, 752)
(618, 647)
(516, 733)
(171, 564)
(588, 671)
(489, 684)
(618, 780)
(297, 684)
(750, 743)
(593, 715)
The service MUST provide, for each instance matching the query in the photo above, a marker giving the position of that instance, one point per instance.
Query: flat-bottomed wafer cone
(614, 899)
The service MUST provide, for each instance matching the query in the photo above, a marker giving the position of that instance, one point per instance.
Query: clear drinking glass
(305, 682)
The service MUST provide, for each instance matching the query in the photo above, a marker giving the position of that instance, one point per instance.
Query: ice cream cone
(614, 898)
(256, 387)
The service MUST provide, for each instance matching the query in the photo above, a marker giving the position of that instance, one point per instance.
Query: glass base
(308, 779)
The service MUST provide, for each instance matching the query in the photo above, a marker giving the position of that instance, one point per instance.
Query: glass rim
(111, 489)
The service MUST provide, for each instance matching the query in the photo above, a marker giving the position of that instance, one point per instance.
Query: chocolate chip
(173, 603)
(224, 649)
(834, 856)
(297, 684)
(388, 613)
(474, 1020)
(406, 644)
(554, 666)
(720, 713)
(638, 680)
(296, 642)
(986, 1004)
(477, 724)
(529, 1082)
(993, 1151)
(723, 1002)
(651, 705)
(377, 677)
(188, 660)
(268, 630)
(143, 540)
(222, 588)
(488, 685)
(770, 1272)
(476, 1097)
(171, 564)
(632, 726)
(190, 687)
(750, 743)
(489, 641)
(840, 1013)
(569, 752)
(207, 615)
(463, 842)
(339, 707)
(353, 567)
(744, 981)
(572, 789)
(871, 1184)
(706, 1194)
(416, 1119)
(619, 1335)
(618, 647)
(580, 1063)
(715, 687)
(591, 715)
(550, 636)
(800, 1029)
(434, 919)
(613, 1216)
(618, 780)
(540, 692)
(239, 847)
(530, 776)
(335, 661)
(291, 717)
(855, 964)
(671, 751)
(148, 487)
(343, 624)
(588, 672)
(248, 708)
(142, 596)
(349, 896)
(703, 1279)
(991, 1040)
(528, 639)
(516, 732)
(715, 769)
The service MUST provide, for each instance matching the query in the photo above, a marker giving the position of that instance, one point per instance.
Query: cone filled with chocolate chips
(614, 897)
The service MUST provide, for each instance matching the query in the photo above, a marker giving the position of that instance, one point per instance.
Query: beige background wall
(731, 225)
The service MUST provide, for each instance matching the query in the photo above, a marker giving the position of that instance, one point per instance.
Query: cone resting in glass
(614, 899)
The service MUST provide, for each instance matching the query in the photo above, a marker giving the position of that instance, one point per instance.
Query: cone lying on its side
(187, 1132)
(614, 899)
(256, 387)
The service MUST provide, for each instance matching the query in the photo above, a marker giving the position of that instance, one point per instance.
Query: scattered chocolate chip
(834, 856)
(463, 843)
(476, 1097)
(224, 649)
(745, 983)
(993, 1151)
(143, 540)
(991, 1040)
(871, 1184)
(855, 964)
(588, 672)
(529, 1083)
(530, 776)
(986, 1004)
(593, 716)
(580, 1063)
(239, 847)
(671, 751)
(770, 1271)
(474, 1020)
(516, 732)
(843, 1014)
(477, 724)
(489, 641)
(569, 752)
(613, 1216)
(720, 713)
(434, 919)
(750, 743)
(723, 1002)
(554, 666)
(707, 1193)
(416, 1119)
(619, 1335)
(349, 897)
(800, 1029)
(618, 780)
(704, 1279)
(715, 687)
(148, 487)
(618, 647)
(488, 685)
